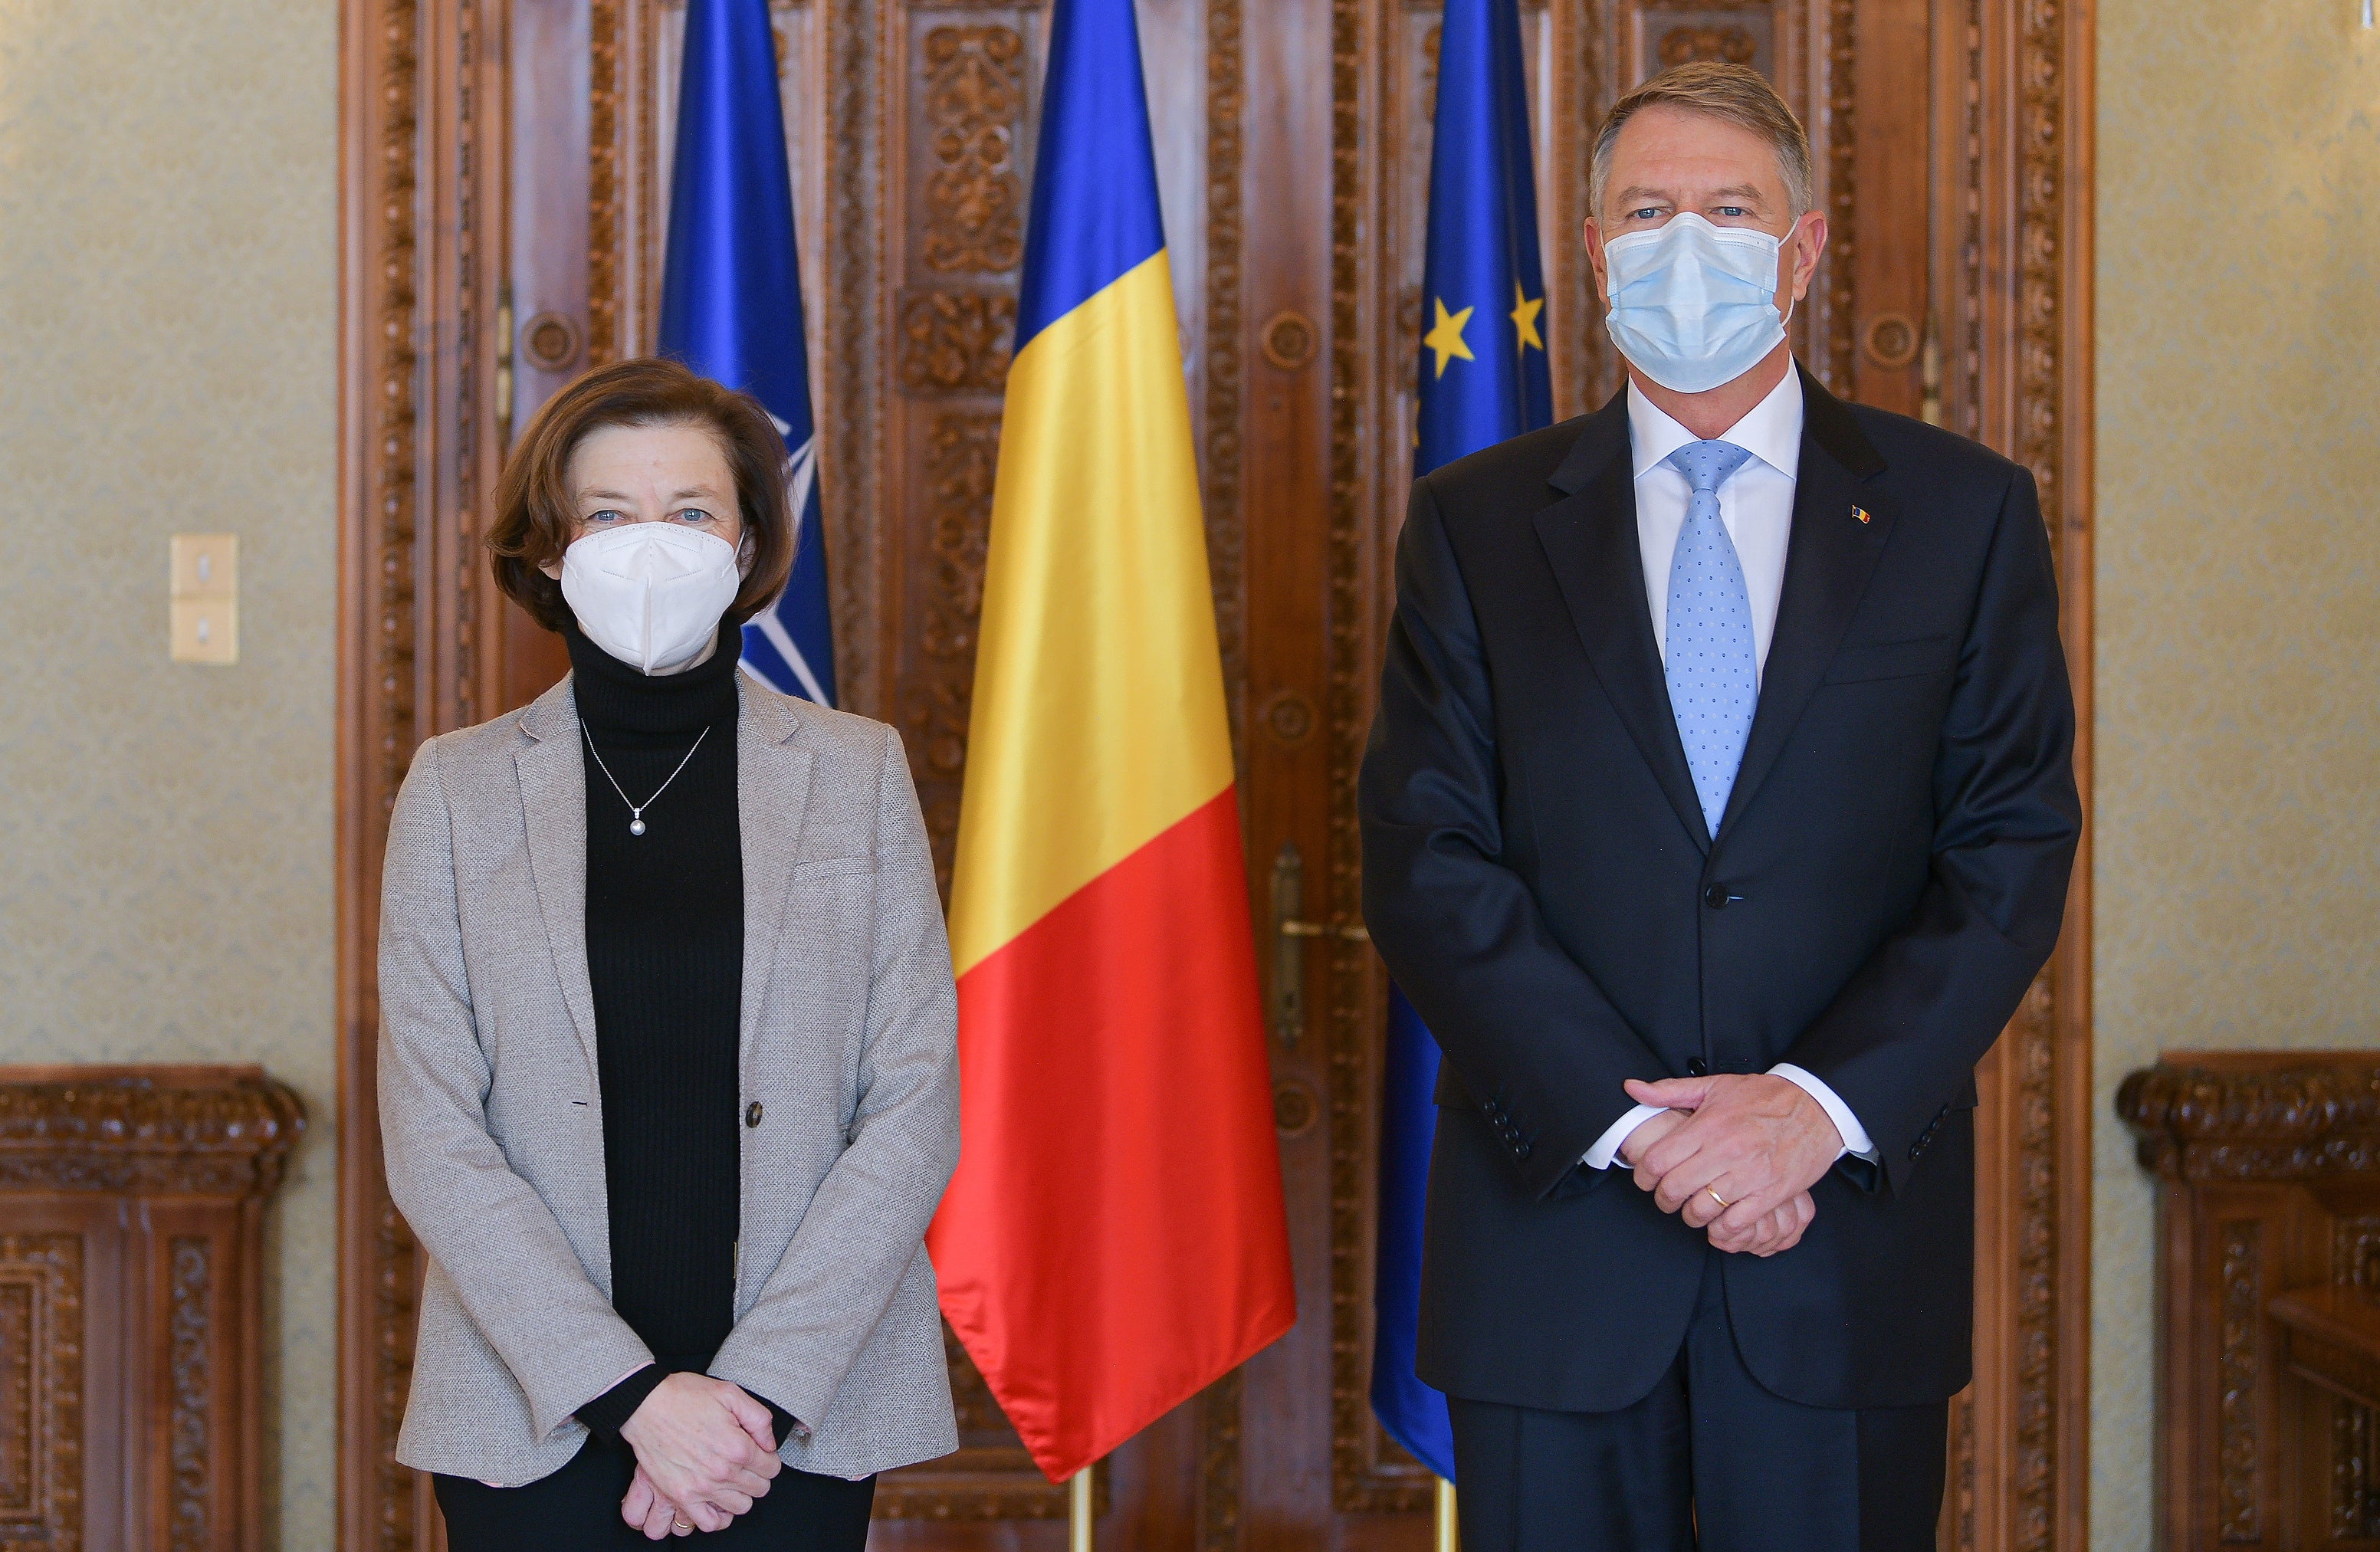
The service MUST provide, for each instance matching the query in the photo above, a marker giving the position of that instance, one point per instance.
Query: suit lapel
(1829, 560)
(772, 788)
(554, 809)
(1590, 538)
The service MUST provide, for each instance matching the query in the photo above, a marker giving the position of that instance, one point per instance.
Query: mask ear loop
(1792, 234)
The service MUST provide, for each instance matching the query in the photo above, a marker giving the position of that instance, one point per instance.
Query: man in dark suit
(1718, 813)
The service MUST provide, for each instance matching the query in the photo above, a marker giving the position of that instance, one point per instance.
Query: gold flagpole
(1078, 1512)
(1448, 1538)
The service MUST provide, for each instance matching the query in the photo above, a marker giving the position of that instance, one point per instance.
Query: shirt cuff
(1856, 1141)
(1607, 1148)
(608, 1413)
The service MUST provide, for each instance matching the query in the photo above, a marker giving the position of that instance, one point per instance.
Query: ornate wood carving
(1226, 236)
(1369, 1475)
(2269, 1169)
(607, 190)
(2351, 1470)
(975, 105)
(963, 454)
(2282, 1120)
(2239, 1505)
(956, 343)
(189, 1365)
(1840, 42)
(128, 1133)
(853, 430)
(41, 1402)
(131, 1262)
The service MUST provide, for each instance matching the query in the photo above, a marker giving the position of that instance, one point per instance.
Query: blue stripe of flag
(1095, 210)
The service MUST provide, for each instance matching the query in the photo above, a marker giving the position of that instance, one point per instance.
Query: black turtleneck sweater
(665, 961)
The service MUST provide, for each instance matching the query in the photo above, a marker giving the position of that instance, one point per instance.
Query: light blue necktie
(1708, 654)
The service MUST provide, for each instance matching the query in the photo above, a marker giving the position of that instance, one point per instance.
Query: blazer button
(1716, 897)
(752, 1113)
(1521, 1153)
(1697, 1068)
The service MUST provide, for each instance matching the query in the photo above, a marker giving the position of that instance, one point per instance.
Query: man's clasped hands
(1754, 1142)
(705, 1449)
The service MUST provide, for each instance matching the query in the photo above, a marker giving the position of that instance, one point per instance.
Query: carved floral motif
(189, 1325)
(975, 104)
(132, 1135)
(1731, 43)
(962, 457)
(957, 342)
(2206, 1124)
(2238, 1507)
(41, 1391)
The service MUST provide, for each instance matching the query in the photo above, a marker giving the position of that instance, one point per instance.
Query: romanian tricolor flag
(1114, 1239)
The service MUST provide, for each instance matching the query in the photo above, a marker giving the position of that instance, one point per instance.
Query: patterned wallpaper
(168, 352)
(2238, 591)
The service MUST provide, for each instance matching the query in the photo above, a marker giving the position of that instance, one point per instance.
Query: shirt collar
(1770, 431)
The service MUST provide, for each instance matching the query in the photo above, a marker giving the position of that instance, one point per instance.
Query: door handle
(1289, 931)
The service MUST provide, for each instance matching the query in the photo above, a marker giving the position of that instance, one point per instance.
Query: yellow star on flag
(1525, 318)
(1446, 338)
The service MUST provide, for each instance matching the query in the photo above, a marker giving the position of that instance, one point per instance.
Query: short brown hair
(534, 516)
(1737, 94)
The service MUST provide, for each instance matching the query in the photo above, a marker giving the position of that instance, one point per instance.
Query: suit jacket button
(1522, 1152)
(1915, 1149)
(752, 1113)
(1697, 1068)
(1716, 897)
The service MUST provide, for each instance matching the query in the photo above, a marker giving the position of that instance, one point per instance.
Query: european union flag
(1484, 379)
(732, 299)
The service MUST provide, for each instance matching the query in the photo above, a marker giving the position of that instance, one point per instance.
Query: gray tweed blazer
(492, 1121)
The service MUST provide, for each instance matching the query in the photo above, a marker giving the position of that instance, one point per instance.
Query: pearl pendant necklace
(636, 810)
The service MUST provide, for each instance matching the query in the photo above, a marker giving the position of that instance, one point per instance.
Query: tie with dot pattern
(1707, 657)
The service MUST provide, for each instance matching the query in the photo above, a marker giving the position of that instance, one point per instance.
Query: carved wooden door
(507, 164)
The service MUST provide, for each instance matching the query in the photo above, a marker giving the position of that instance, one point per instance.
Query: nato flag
(1484, 379)
(732, 299)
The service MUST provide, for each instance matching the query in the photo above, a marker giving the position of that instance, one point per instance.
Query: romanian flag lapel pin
(1860, 512)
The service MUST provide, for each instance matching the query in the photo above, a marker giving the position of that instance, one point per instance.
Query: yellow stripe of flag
(1099, 718)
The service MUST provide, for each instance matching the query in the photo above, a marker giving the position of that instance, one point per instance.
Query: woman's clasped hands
(705, 1449)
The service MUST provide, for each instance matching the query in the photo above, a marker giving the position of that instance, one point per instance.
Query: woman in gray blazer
(668, 1075)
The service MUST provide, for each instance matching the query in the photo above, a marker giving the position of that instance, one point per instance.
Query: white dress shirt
(1756, 505)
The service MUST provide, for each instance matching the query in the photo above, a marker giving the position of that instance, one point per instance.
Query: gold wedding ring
(682, 1526)
(1716, 1198)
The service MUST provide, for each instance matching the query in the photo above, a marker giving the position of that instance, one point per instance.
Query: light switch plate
(206, 565)
(206, 630)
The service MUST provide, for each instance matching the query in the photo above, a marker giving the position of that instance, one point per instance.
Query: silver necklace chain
(636, 810)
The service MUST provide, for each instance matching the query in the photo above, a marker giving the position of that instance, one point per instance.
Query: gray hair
(1737, 94)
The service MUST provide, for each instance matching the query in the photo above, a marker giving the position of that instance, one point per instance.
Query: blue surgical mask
(1693, 305)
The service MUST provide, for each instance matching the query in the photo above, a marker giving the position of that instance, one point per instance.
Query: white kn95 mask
(1693, 305)
(650, 594)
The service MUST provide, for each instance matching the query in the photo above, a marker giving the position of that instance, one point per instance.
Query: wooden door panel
(1292, 141)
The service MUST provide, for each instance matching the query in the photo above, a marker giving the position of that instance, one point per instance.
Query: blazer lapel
(1590, 538)
(1829, 560)
(772, 788)
(554, 809)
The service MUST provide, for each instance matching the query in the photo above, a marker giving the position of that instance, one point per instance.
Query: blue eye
(1733, 211)
(1647, 213)
(606, 515)
(693, 514)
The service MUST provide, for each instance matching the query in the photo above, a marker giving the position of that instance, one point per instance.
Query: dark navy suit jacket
(1889, 876)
